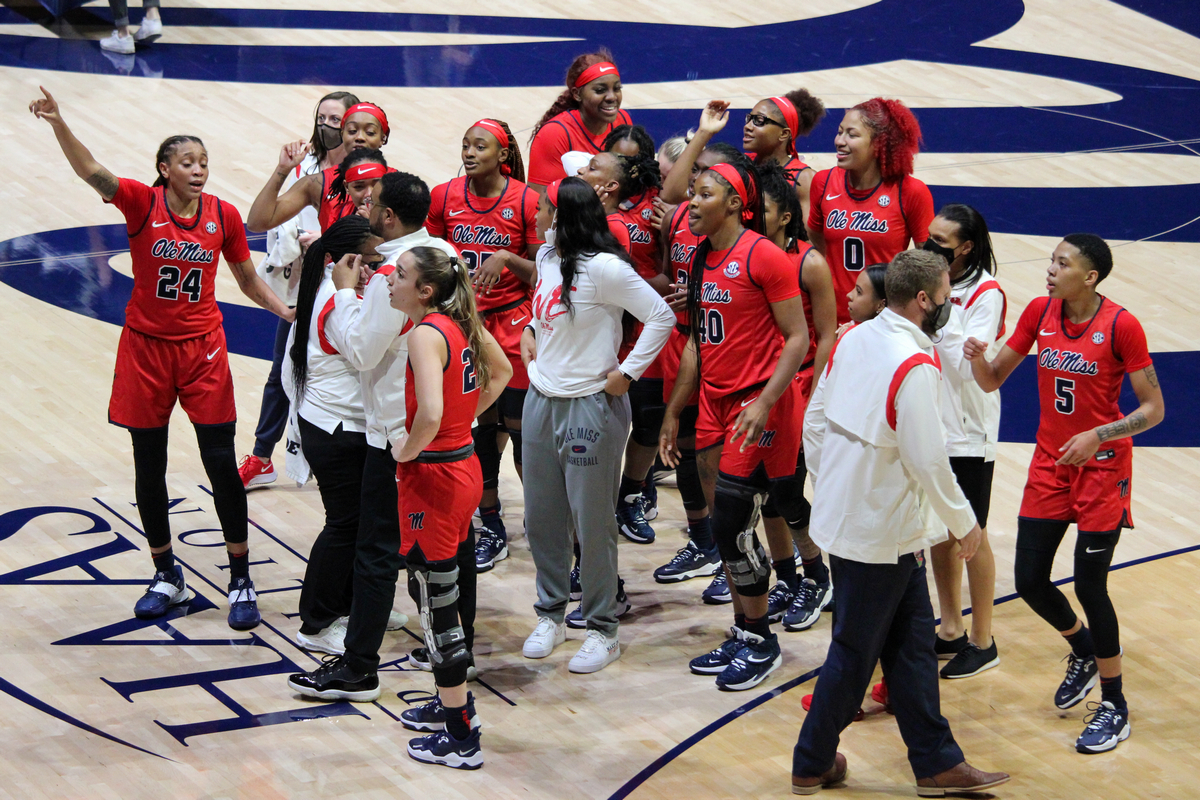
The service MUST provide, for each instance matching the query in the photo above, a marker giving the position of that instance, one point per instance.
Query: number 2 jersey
(1080, 367)
(175, 260)
(861, 229)
(460, 388)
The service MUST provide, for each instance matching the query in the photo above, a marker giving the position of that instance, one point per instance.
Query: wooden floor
(97, 705)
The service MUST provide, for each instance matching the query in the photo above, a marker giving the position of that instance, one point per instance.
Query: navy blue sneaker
(243, 605)
(442, 748)
(432, 715)
(689, 562)
(716, 660)
(1082, 675)
(806, 606)
(631, 522)
(576, 586)
(779, 601)
(491, 547)
(717, 593)
(1106, 727)
(575, 618)
(166, 589)
(650, 501)
(757, 659)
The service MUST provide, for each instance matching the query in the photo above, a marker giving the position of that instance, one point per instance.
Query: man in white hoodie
(876, 451)
(373, 336)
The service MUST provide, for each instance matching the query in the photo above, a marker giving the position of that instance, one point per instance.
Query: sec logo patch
(885, 201)
(732, 269)
(211, 227)
(1097, 338)
(646, 213)
(507, 213)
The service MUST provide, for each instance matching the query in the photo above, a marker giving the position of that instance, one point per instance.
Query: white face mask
(552, 231)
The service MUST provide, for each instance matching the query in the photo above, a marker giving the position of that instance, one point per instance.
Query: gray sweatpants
(572, 450)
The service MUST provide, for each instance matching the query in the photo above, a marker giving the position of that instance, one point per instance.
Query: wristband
(625, 375)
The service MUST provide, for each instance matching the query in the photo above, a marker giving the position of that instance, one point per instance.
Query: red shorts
(778, 446)
(151, 373)
(507, 326)
(669, 359)
(1096, 496)
(436, 502)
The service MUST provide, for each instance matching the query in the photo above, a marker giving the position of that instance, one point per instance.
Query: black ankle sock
(739, 621)
(239, 566)
(759, 627)
(164, 562)
(700, 532)
(816, 570)
(458, 722)
(785, 570)
(1081, 642)
(1110, 690)
(628, 486)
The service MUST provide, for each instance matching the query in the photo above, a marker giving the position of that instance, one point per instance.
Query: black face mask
(331, 137)
(936, 318)
(945, 252)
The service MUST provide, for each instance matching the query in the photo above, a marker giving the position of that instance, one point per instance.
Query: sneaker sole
(525, 651)
(588, 669)
(396, 624)
(633, 537)
(713, 670)
(1107, 744)
(1077, 699)
(707, 571)
(938, 791)
(154, 37)
(452, 760)
(803, 624)
(484, 566)
(755, 681)
(717, 600)
(651, 514)
(319, 647)
(775, 618)
(424, 666)
(261, 480)
(366, 696)
(995, 662)
(423, 727)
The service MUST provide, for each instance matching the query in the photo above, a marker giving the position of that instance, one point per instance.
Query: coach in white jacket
(876, 451)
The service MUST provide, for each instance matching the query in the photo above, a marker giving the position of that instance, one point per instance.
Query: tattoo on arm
(103, 182)
(1151, 376)
(1122, 427)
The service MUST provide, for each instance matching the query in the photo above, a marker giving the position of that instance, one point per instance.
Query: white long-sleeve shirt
(971, 415)
(882, 478)
(576, 350)
(371, 335)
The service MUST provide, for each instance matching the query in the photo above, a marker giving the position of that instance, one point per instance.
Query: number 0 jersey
(740, 343)
(460, 388)
(865, 229)
(1080, 367)
(175, 260)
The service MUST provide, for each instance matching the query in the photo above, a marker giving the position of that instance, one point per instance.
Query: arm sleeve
(545, 154)
(435, 223)
(922, 443)
(620, 286)
(362, 332)
(775, 272)
(816, 216)
(1026, 333)
(1130, 344)
(133, 199)
(235, 248)
(918, 209)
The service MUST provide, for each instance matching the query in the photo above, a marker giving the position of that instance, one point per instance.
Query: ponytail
(166, 150)
(453, 296)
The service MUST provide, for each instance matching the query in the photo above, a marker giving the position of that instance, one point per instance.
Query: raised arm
(712, 121)
(270, 209)
(79, 157)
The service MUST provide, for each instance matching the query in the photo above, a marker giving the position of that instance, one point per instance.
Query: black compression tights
(1037, 542)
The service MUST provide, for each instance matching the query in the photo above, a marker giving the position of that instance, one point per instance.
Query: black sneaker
(1082, 675)
(805, 610)
(335, 680)
(717, 593)
(778, 601)
(432, 715)
(971, 661)
(689, 562)
(1106, 727)
(947, 649)
(576, 586)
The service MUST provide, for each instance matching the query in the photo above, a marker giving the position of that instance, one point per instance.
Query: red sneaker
(879, 693)
(256, 472)
(806, 704)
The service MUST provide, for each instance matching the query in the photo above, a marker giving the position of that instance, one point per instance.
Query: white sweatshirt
(576, 350)
(971, 415)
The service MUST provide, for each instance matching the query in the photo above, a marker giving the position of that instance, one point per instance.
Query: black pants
(337, 462)
(272, 416)
(883, 614)
(377, 561)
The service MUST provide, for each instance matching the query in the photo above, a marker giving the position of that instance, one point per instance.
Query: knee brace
(514, 434)
(437, 588)
(1093, 557)
(488, 451)
(687, 478)
(647, 410)
(734, 519)
(787, 496)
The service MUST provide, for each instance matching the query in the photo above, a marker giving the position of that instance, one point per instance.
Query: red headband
(552, 192)
(791, 117)
(601, 70)
(364, 172)
(367, 108)
(496, 130)
(730, 174)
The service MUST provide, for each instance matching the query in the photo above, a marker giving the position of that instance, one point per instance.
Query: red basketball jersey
(616, 226)
(1080, 367)
(865, 229)
(643, 236)
(740, 343)
(460, 388)
(480, 226)
(561, 134)
(802, 251)
(175, 260)
(680, 249)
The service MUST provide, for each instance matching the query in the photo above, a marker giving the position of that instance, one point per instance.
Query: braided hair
(632, 133)
(566, 100)
(337, 188)
(166, 150)
(777, 186)
(347, 235)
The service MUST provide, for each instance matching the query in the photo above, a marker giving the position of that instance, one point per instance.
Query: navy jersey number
(169, 285)
(1064, 395)
(854, 254)
(470, 383)
(712, 326)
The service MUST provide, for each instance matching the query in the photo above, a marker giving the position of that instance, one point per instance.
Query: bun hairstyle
(809, 109)
(453, 296)
(337, 186)
(347, 235)
(895, 135)
(777, 186)
(166, 150)
(566, 100)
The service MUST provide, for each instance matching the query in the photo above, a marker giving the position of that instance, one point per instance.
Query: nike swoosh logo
(832, 197)
(1099, 550)
(213, 353)
(754, 660)
(748, 402)
(606, 69)
(516, 322)
(1046, 333)
(456, 213)
(158, 224)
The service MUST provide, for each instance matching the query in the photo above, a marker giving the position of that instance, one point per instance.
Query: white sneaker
(545, 637)
(330, 640)
(116, 43)
(396, 620)
(150, 30)
(597, 652)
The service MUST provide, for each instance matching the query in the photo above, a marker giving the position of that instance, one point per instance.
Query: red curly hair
(895, 135)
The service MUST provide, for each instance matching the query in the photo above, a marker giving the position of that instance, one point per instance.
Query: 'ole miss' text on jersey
(862, 229)
(636, 213)
(175, 260)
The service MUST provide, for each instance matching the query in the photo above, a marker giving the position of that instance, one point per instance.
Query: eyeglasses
(761, 120)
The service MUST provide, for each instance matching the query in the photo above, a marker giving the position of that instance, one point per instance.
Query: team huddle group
(615, 311)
